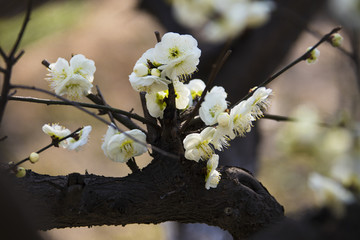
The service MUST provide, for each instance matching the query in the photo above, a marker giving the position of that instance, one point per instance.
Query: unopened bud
(336, 40)
(313, 56)
(34, 157)
(155, 72)
(20, 172)
(141, 70)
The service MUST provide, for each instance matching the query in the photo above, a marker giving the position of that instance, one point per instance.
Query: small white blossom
(241, 118)
(74, 80)
(155, 101)
(212, 178)
(314, 55)
(197, 145)
(178, 55)
(80, 139)
(259, 101)
(120, 147)
(223, 131)
(56, 132)
(196, 87)
(214, 104)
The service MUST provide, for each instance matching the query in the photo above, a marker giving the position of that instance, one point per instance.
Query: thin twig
(132, 165)
(287, 67)
(10, 61)
(53, 143)
(157, 35)
(75, 104)
(87, 105)
(22, 31)
(105, 104)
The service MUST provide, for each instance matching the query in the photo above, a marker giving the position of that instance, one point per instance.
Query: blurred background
(115, 34)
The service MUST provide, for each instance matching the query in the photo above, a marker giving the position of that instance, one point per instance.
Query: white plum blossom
(213, 177)
(259, 101)
(155, 101)
(214, 104)
(182, 95)
(81, 137)
(146, 75)
(196, 87)
(241, 118)
(177, 55)
(56, 132)
(74, 79)
(120, 147)
(197, 145)
(314, 56)
(224, 130)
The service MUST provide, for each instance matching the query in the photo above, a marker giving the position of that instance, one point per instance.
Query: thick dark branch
(240, 204)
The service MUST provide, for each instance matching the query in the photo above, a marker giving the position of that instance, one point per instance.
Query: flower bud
(155, 72)
(34, 157)
(313, 56)
(141, 70)
(20, 172)
(336, 40)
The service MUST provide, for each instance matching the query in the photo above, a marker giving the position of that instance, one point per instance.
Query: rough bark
(166, 190)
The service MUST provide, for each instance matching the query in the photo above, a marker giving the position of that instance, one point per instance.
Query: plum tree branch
(165, 190)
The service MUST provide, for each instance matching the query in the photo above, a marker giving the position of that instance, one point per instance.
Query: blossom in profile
(197, 145)
(313, 56)
(80, 138)
(213, 177)
(74, 79)
(224, 130)
(120, 147)
(259, 101)
(241, 118)
(56, 132)
(178, 55)
(196, 87)
(214, 104)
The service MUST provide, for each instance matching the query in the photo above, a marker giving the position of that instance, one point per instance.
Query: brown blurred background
(115, 34)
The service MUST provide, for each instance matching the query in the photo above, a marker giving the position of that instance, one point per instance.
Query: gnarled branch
(166, 190)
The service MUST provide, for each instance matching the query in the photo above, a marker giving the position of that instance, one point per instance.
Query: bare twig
(157, 35)
(75, 104)
(10, 61)
(296, 61)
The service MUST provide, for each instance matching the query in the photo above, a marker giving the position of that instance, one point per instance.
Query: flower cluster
(218, 20)
(172, 60)
(226, 126)
(58, 132)
(74, 79)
